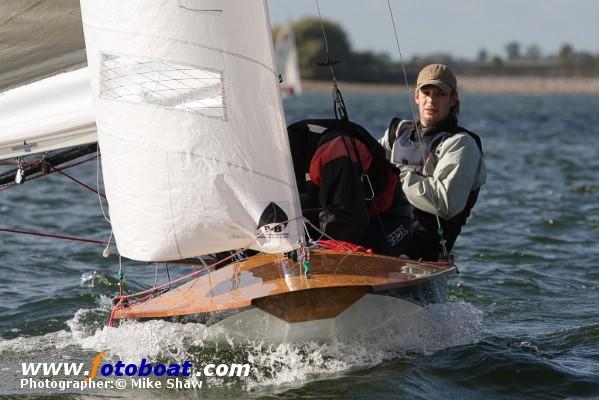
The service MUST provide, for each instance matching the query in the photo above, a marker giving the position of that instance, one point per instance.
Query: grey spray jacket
(440, 174)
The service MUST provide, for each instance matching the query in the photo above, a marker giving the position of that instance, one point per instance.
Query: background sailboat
(287, 60)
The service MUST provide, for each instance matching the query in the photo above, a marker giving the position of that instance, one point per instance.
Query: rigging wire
(139, 297)
(98, 185)
(168, 274)
(338, 102)
(307, 230)
(323, 234)
(209, 267)
(77, 181)
(405, 77)
(52, 169)
(53, 236)
(155, 275)
(41, 175)
(107, 249)
(121, 275)
(442, 240)
(326, 44)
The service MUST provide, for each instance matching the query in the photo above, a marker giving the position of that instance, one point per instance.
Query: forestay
(195, 153)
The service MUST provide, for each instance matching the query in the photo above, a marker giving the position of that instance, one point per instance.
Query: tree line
(368, 66)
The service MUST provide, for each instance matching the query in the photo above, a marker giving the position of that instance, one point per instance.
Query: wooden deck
(277, 285)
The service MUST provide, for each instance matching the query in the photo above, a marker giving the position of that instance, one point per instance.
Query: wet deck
(278, 285)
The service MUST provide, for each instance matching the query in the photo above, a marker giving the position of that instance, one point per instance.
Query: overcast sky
(458, 27)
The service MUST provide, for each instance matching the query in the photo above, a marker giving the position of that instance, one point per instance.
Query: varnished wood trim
(311, 305)
(241, 284)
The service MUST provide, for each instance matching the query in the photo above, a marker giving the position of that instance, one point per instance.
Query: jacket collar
(449, 124)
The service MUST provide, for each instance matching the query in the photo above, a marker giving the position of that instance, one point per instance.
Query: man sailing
(441, 164)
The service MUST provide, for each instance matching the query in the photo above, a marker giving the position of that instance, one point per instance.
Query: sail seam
(170, 202)
(187, 42)
(216, 160)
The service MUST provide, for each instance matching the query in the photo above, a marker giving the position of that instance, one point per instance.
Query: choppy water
(522, 319)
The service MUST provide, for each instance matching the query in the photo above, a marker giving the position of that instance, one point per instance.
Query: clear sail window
(162, 83)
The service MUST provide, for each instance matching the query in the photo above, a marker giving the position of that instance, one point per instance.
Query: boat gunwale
(440, 269)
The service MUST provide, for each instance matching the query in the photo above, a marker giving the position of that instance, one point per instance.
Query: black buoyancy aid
(307, 135)
(408, 150)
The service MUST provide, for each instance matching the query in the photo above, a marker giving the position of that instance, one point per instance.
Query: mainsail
(194, 148)
(50, 114)
(39, 39)
(43, 107)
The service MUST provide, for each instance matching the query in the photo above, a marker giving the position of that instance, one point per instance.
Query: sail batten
(194, 146)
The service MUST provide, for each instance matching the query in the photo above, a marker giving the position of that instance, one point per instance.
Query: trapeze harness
(408, 150)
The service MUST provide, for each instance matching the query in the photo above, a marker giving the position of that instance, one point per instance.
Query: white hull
(366, 317)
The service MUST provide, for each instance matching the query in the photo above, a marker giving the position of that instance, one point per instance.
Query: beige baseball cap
(439, 75)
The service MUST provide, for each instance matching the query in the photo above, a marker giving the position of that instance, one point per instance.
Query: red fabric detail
(339, 245)
(334, 149)
(383, 201)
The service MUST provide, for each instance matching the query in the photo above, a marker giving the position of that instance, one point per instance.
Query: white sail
(46, 115)
(39, 39)
(194, 147)
(287, 61)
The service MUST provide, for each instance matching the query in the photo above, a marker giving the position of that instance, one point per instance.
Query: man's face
(433, 104)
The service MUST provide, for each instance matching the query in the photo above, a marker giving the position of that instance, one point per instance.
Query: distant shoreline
(479, 84)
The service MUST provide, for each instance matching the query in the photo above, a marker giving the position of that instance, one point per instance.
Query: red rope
(80, 162)
(76, 239)
(117, 306)
(30, 178)
(16, 164)
(78, 181)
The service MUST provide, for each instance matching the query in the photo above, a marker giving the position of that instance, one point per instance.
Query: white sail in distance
(194, 146)
(287, 61)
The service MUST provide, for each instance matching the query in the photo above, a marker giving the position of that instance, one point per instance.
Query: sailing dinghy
(287, 61)
(196, 161)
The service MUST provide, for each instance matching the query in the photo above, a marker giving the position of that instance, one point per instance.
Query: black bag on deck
(305, 137)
